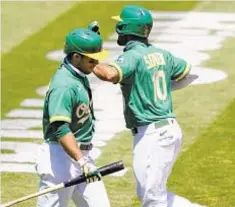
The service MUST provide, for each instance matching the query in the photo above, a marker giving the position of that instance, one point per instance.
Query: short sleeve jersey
(145, 73)
(69, 99)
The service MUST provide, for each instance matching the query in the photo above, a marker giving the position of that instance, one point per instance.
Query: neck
(123, 40)
(77, 69)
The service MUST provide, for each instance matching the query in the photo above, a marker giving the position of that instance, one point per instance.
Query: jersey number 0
(160, 89)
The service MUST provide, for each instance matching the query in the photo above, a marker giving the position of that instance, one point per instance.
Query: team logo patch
(83, 113)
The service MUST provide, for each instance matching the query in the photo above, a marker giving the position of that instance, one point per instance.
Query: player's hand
(89, 170)
(94, 26)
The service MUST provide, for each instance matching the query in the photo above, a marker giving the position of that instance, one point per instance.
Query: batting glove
(89, 170)
(94, 26)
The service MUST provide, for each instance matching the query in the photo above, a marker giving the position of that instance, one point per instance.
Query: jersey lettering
(83, 113)
(154, 59)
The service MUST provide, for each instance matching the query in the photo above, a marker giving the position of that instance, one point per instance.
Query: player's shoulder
(132, 54)
(127, 56)
(60, 74)
(131, 51)
(161, 50)
(62, 85)
(163, 53)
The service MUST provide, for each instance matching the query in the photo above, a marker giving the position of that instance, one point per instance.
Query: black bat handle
(105, 170)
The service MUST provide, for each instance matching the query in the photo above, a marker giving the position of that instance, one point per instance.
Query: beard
(121, 41)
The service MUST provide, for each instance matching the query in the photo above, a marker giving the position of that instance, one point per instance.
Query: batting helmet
(134, 20)
(85, 42)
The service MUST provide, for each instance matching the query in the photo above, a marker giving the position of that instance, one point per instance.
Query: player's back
(147, 90)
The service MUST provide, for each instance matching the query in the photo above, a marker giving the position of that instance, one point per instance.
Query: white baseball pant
(54, 166)
(154, 153)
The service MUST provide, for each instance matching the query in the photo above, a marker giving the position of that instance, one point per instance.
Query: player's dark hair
(70, 55)
(124, 39)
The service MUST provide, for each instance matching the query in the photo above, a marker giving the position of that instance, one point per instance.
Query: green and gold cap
(134, 20)
(85, 42)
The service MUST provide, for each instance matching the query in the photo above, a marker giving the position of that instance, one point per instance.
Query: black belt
(86, 146)
(82, 146)
(157, 125)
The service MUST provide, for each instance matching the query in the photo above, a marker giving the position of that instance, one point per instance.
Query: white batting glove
(89, 170)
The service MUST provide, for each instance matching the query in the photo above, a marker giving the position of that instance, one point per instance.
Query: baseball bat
(104, 170)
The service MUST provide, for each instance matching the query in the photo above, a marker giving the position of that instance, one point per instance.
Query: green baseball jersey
(145, 76)
(69, 99)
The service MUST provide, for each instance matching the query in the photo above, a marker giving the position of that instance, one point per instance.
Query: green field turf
(7, 151)
(32, 16)
(205, 170)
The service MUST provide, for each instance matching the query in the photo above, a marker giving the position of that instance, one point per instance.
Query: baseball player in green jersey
(68, 126)
(145, 73)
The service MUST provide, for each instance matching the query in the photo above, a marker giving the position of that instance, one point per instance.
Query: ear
(77, 56)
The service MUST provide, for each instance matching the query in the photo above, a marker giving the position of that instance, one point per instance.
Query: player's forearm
(68, 142)
(106, 73)
(67, 139)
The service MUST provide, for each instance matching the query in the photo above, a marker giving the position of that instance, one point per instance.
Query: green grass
(36, 128)
(218, 6)
(17, 185)
(9, 139)
(208, 100)
(7, 151)
(206, 171)
(37, 16)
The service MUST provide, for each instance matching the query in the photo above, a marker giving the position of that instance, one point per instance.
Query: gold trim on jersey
(186, 71)
(119, 70)
(60, 118)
